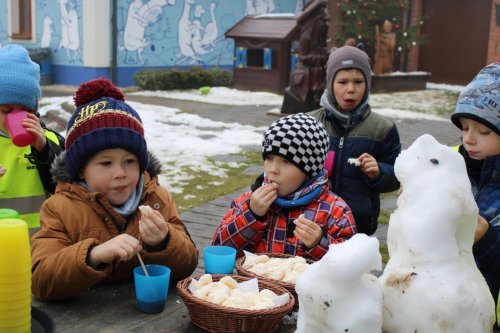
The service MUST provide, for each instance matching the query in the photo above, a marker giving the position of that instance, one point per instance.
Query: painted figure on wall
(385, 44)
(194, 39)
(70, 36)
(259, 7)
(47, 31)
(139, 16)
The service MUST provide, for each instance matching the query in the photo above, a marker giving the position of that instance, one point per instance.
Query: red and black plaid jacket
(241, 230)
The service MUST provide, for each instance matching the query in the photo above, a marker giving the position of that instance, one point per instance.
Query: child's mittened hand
(308, 232)
(121, 248)
(262, 198)
(32, 124)
(152, 226)
(369, 166)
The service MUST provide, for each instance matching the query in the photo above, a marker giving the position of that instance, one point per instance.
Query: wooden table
(112, 308)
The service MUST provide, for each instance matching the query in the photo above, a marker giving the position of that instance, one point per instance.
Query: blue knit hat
(480, 100)
(102, 120)
(19, 77)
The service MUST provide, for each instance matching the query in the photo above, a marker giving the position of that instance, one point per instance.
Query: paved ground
(202, 220)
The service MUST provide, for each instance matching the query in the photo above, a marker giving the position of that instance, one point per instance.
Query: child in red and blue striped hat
(91, 228)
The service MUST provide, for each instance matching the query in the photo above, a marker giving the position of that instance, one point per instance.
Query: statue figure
(385, 43)
(308, 80)
(350, 42)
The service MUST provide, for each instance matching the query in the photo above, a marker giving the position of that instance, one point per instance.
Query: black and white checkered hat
(300, 139)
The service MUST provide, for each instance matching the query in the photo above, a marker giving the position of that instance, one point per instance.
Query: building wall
(459, 38)
(149, 34)
(493, 52)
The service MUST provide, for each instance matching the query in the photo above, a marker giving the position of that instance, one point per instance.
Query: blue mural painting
(59, 29)
(151, 33)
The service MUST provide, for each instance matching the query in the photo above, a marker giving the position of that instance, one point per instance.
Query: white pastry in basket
(228, 292)
(238, 299)
(218, 293)
(281, 269)
(229, 281)
(204, 280)
(251, 261)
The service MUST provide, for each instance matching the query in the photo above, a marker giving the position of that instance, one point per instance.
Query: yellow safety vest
(498, 310)
(21, 188)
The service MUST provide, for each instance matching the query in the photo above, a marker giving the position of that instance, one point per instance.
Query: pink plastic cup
(18, 133)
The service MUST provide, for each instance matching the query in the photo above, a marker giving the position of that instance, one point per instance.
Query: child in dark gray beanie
(25, 179)
(292, 211)
(364, 144)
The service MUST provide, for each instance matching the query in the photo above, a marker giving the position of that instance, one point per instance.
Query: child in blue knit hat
(25, 179)
(477, 114)
(108, 206)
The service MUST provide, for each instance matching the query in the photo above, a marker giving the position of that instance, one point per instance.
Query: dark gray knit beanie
(347, 57)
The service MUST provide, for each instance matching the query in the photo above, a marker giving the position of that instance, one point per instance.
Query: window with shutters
(21, 19)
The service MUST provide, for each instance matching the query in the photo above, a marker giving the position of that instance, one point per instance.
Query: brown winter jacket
(74, 220)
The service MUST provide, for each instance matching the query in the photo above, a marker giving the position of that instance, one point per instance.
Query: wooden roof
(264, 27)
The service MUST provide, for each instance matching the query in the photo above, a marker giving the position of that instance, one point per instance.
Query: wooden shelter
(263, 55)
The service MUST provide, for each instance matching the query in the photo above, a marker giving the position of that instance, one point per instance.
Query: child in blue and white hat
(477, 114)
(25, 178)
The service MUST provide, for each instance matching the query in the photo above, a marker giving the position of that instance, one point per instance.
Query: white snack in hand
(145, 210)
(353, 161)
(3, 171)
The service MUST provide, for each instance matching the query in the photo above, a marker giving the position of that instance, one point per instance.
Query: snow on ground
(184, 143)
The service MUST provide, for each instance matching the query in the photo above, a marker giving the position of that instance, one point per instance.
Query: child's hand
(482, 227)
(369, 165)
(307, 232)
(121, 248)
(262, 198)
(153, 228)
(32, 125)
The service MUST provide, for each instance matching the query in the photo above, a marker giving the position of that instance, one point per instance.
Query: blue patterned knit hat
(480, 100)
(102, 120)
(19, 77)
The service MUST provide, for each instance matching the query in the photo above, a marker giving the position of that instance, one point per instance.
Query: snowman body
(338, 294)
(431, 282)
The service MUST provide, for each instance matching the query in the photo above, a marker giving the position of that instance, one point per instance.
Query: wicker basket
(220, 319)
(287, 285)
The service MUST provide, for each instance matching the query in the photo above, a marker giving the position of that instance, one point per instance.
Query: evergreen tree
(361, 16)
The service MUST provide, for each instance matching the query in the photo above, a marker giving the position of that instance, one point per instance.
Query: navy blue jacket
(485, 180)
(369, 133)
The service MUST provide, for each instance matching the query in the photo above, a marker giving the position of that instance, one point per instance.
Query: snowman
(338, 293)
(431, 282)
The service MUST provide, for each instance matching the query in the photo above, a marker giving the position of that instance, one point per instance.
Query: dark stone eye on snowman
(430, 283)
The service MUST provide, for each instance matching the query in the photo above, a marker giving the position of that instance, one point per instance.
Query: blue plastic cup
(219, 259)
(151, 291)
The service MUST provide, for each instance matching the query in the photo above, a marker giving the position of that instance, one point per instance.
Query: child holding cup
(25, 179)
(91, 229)
(292, 211)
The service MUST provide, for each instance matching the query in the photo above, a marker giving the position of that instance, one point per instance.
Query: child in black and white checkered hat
(291, 210)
